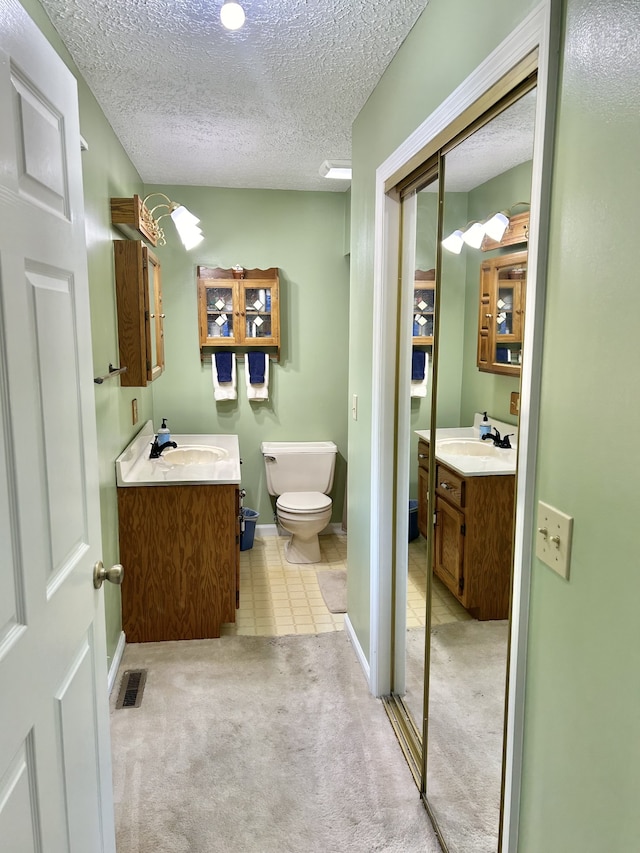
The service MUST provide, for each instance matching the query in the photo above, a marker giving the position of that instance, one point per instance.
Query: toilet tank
(299, 466)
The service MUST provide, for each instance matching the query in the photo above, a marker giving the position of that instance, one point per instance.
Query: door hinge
(461, 585)
(435, 518)
(463, 529)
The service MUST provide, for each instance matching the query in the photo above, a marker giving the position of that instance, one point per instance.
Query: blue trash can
(413, 520)
(249, 517)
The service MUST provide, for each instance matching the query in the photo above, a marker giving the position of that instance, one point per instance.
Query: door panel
(55, 774)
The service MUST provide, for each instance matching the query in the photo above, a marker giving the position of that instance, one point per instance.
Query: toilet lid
(303, 501)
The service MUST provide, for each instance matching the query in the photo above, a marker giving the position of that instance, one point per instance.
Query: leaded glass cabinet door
(259, 311)
(501, 319)
(424, 307)
(219, 325)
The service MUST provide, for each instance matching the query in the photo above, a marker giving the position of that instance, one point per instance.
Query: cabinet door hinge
(461, 585)
(435, 518)
(148, 365)
(463, 529)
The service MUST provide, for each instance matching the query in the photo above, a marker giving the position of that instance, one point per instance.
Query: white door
(55, 773)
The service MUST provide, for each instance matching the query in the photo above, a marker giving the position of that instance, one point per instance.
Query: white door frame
(540, 30)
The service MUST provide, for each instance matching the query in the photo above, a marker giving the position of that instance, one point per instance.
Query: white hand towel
(419, 386)
(224, 390)
(257, 392)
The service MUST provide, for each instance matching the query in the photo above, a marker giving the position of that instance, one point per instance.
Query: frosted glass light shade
(474, 235)
(232, 16)
(181, 215)
(496, 226)
(454, 242)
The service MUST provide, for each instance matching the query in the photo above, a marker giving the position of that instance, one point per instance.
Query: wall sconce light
(474, 233)
(232, 15)
(186, 223)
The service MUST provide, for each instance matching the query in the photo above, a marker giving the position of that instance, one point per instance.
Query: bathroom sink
(471, 447)
(194, 455)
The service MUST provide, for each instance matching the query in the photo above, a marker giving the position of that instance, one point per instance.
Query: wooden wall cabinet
(473, 536)
(181, 549)
(501, 317)
(239, 312)
(140, 315)
(424, 292)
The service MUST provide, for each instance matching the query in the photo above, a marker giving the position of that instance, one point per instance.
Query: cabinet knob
(162, 316)
(423, 455)
(488, 316)
(445, 486)
(152, 316)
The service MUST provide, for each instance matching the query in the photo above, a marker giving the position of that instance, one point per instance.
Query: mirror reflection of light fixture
(338, 169)
(474, 233)
(232, 15)
(186, 223)
(454, 242)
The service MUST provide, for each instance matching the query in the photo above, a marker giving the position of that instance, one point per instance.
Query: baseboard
(115, 662)
(353, 639)
(273, 530)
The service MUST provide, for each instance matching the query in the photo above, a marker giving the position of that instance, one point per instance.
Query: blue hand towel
(223, 366)
(417, 365)
(256, 367)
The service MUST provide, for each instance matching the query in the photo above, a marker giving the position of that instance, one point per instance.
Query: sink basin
(194, 455)
(472, 447)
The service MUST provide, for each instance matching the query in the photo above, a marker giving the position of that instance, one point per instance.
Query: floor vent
(131, 688)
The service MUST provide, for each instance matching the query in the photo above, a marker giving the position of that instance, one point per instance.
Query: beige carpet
(260, 745)
(333, 586)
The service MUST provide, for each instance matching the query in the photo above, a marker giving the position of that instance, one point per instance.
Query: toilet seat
(303, 502)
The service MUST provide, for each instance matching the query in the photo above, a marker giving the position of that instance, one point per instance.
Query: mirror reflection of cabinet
(140, 315)
(501, 319)
(238, 312)
(424, 291)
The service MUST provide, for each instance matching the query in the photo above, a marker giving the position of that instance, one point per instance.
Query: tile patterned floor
(277, 597)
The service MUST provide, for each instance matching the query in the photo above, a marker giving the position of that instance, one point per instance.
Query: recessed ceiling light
(339, 169)
(232, 15)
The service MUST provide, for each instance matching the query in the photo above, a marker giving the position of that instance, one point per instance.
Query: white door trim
(538, 30)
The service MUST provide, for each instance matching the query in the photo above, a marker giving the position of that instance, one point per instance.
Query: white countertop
(134, 468)
(503, 462)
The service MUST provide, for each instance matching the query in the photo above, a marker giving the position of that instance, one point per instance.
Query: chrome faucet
(497, 441)
(156, 449)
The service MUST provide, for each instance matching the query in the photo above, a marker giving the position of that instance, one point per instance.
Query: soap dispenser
(485, 426)
(164, 433)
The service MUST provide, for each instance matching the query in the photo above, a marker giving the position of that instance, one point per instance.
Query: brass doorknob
(113, 575)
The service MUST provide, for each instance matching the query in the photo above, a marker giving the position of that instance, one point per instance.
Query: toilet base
(298, 550)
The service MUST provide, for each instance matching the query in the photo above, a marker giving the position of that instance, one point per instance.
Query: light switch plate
(553, 538)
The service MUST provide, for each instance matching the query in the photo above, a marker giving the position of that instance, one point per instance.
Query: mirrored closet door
(464, 259)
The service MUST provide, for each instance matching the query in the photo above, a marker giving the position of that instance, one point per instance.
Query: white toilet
(301, 474)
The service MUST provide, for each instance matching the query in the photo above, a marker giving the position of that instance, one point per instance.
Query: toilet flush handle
(270, 459)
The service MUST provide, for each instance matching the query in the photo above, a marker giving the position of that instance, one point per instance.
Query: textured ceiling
(195, 104)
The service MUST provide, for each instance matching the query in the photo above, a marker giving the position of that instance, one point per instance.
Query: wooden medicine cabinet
(140, 315)
(503, 282)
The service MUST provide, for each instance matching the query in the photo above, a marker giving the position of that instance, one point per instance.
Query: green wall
(582, 724)
(301, 233)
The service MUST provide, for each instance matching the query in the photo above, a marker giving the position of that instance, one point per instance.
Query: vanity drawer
(450, 485)
(423, 454)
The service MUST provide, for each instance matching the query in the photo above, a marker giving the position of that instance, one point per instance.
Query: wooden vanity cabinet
(501, 313)
(239, 312)
(140, 314)
(473, 538)
(181, 549)
(423, 487)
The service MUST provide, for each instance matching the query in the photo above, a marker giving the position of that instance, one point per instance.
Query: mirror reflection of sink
(471, 447)
(194, 455)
